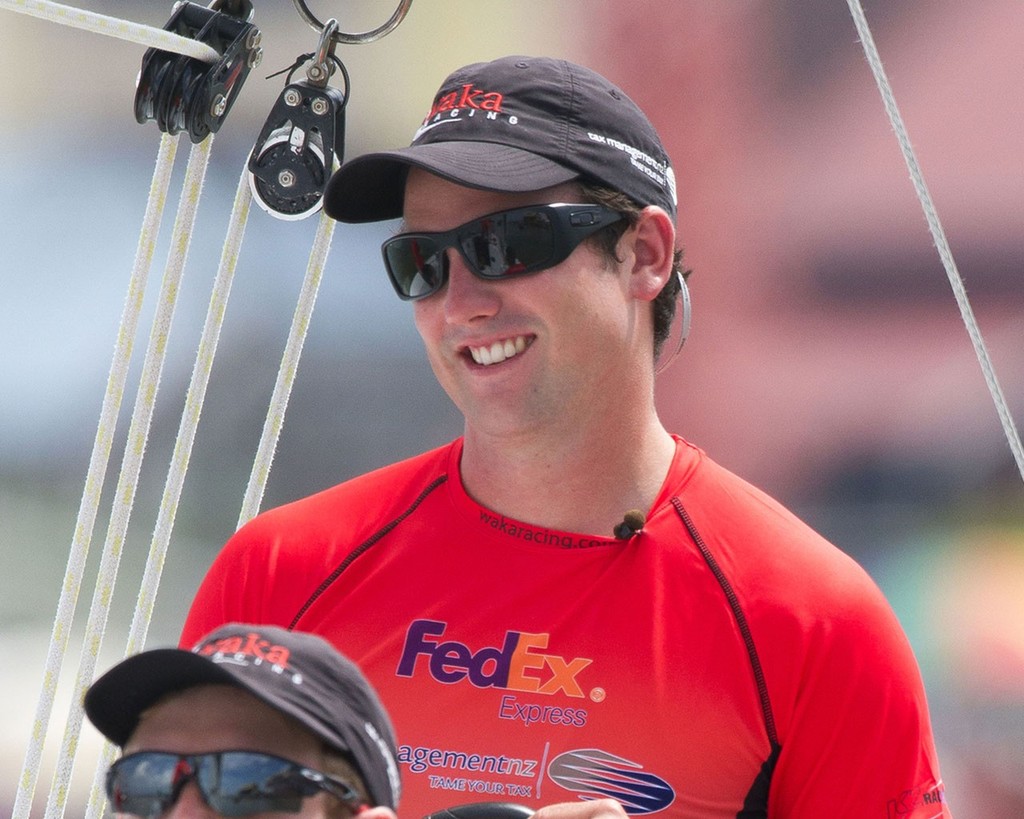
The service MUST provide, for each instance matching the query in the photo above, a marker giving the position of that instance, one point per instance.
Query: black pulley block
(295, 152)
(187, 94)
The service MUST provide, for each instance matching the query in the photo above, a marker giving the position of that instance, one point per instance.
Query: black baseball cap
(300, 675)
(516, 124)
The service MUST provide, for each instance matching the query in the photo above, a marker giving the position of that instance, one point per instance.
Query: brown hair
(340, 765)
(607, 240)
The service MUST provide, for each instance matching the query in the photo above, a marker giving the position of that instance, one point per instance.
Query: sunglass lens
(245, 783)
(142, 784)
(508, 244)
(531, 238)
(415, 265)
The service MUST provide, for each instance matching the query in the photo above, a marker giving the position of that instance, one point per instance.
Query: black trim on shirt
(755, 806)
(756, 803)
(362, 547)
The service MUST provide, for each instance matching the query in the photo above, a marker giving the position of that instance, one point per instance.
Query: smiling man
(569, 606)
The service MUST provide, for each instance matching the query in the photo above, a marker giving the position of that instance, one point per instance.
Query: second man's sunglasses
(497, 246)
(233, 783)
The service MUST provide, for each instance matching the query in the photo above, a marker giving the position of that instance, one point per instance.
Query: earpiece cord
(685, 316)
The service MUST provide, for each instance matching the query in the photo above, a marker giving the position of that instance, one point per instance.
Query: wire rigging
(938, 234)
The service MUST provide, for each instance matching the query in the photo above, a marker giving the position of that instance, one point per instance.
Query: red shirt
(726, 661)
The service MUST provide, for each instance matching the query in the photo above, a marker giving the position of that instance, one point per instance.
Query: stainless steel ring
(341, 37)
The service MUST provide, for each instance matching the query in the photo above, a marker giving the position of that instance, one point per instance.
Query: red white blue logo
(594, 774)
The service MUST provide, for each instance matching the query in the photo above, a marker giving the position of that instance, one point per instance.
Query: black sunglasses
(233, 783)
(497, 246)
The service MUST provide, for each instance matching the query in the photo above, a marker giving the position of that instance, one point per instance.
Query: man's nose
(466, 296)
(190, 805)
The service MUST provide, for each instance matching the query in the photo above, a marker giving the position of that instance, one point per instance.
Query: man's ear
(653, 244)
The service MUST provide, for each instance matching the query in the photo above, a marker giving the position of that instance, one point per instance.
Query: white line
(938, 235)
(113, 27)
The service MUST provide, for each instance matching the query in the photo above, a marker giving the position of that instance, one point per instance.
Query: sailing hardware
(295, 152)
(185, 94)
(304, 134)
(340, 37)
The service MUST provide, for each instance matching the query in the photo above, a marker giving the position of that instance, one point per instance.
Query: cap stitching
(571, 118)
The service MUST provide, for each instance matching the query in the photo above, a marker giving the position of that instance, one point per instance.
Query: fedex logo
(519, 665)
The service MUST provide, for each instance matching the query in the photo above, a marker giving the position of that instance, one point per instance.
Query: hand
(596, 809)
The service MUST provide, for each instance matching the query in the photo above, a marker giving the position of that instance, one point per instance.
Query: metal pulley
(186, 94)
(293, 158)
(294, 154)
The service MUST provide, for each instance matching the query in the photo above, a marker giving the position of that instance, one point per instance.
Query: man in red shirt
(570, 606)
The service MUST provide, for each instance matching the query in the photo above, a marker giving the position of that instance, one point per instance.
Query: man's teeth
(498, 351)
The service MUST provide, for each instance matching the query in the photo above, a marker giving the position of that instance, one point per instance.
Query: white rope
(190, 417)
(142, 417)
(182, 452)
(286, 373)
(130, 467)
(938, 235)
(190, 420)
(113, 27)
(97, 469)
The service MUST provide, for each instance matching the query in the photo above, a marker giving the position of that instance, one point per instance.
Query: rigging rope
(938, 235)
(97, 469)
(113, 27)
(142, 417)
(286, 371)
(182, 452)
(131, 465)
(125, 491)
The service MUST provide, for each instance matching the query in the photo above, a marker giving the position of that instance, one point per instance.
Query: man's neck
(571, 480)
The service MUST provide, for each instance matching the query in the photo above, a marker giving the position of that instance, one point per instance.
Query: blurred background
(828, 362)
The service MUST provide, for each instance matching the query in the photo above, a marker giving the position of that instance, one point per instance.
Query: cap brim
(116, 700)
(371, 187)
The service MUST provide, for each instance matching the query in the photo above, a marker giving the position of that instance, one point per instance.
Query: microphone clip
(632, 524)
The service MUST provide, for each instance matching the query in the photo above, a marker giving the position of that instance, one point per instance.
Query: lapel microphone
(632, 524)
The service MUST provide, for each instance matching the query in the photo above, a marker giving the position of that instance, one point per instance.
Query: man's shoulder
(714, 490)
(792, 585)
(365, 497)
(760, 538)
